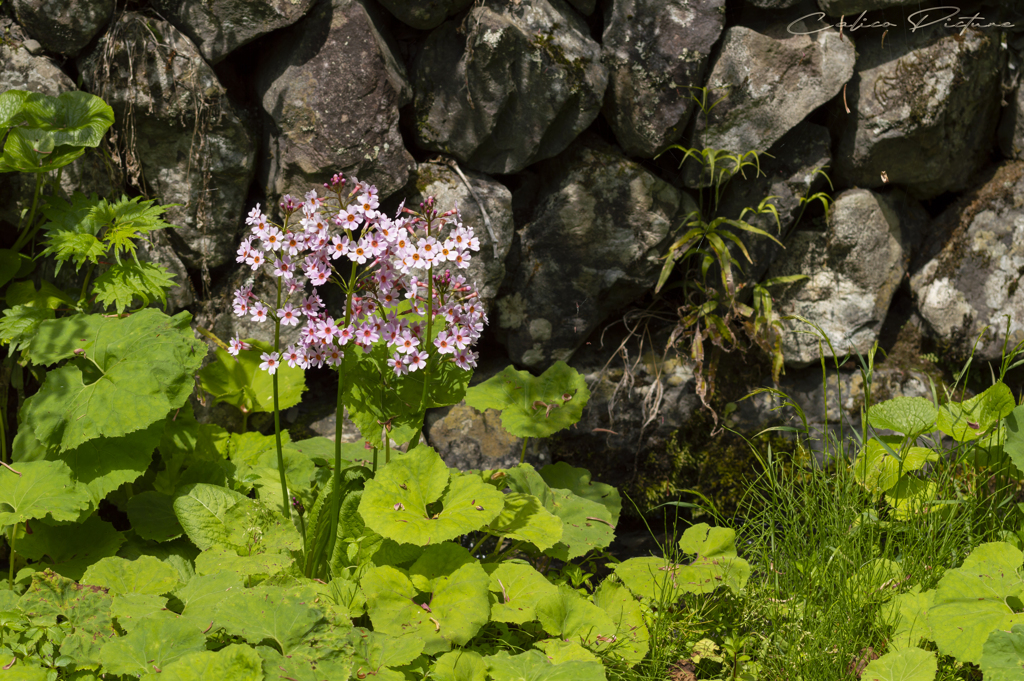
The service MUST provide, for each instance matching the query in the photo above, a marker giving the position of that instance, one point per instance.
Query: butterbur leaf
(394, 503)
(630, 642)
(151, 645)
(202, 511)
(131, 609)
(301, 668)
(523, 517)
(235, 662)
(1014, 445)
(561, 475)
(969, 420)
(240, 381)
(715, 563)
(909, 613)
(559, 651)
(908, 664)
(533, 406)
(375, 654)
(32, 151)
(85, 607)
(878, 470)
(102, 465)
(459, 665)
(43, 488)
(907, 415)
(911, 495)
(203, 594)
(70, 549)
(533, 665)
(282, 615)
(11, 103)
(145, 575)
(152, 516)
(570, 617)
(518, 589)
(121, 284)
(73, 118)
(970, 601)
(20, 323)
(47, 296)
(1002, 656)
(140, 365)
(586, 525)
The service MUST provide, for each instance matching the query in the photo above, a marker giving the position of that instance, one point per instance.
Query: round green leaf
(518, 589)
(968, 420)
(533, 406)
(376, 654)
(240, 382)
(908, 664)
(31, 151)
(283, 615)
(878, 470)
(152, 516)
(586, 525)
(151, 645)
(394, 503)
(235, 662)
(54, 595)
(74, 118)
(630, 642)
(535, 666)
(43, 488)
(70, 548)
(11, 103)
(141, 365)
(144, 575)
(570, 617)
(202, 511)
(1002, 656)
(561, 475)
(460, 665)
(523, 517)
(907, 415)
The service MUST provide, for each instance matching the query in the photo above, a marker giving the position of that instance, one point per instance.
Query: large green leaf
(533, 665)
(279, 614)
(100, 466)
(968, 420)
(533, 406)
(73, 118)
(561, 475)
(85, 607)
(523, 517)
(140, 365)
(203, 510)
(122, 283)
(202, 595)
(460, 665)
(458, 605)
(40, 489)
(377, 654)
(145, 575)
(152, 516)
(1014, 445)
(151, 645)
(70, 549)
(518, 589)
(908, 664)
(234, 662)
(47, 296)
(630, 642)
(1002, 656)
(970, 601)
(907, 415)
(240, 382)
(570, 617)
(32, 151)
(301, 668)
(586, 525)
(11, 103)
(9, 263)
(20, 323)
(395, 502)
(878, 470)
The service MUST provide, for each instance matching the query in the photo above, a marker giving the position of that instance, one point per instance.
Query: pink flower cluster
(398, 256)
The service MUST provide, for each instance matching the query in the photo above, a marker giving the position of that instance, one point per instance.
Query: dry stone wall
(551, 122)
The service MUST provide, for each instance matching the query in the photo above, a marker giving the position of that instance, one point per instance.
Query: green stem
(277, 414)
(387, 447)
(30, 228)
(430, 354)
(85, 285)
(522, 455)
(245, 421)
(479, 543)
(10, 558)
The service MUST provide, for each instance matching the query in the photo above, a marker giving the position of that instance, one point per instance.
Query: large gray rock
(510, 85)
(923, 111)
(973, 282)
(61, 27)
(330, 88)
(218, 27)
(772, 84)
(790, 174)
(592, 248)
(854, 267)
(186, 142)
(654, 52)
(424, 14)
(486, 269)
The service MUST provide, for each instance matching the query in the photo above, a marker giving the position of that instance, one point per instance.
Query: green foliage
(240, 382)
(46, 132)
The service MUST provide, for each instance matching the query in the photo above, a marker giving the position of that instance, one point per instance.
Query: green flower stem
(483, 537)
(522, 455)
(10, 559)
(430, 353)
(339, 421)
(277, 414)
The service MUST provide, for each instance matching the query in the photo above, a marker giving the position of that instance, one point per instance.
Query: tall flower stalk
(386, 269)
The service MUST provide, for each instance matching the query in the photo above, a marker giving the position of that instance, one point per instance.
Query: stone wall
(545, 120)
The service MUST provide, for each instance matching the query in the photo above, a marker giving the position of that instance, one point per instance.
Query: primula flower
(288, 315)
(311, 305)
(345, 334)
(259, 312)
(294, 357)
(254, 215)
(293, 243)
(459, 338)
(349, 218)
(407, 343)
(273, 239)
(334, 356)
(416, 360)
(283, 268)
(255, 259)
(235, 346)
(465, 359)
(444, 344)
(367, 335)
(339, 247)
(397, 363)
(368, 205)
(269, 363)
(327, 330)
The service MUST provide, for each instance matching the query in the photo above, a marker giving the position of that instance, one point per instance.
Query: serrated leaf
(282, 615)
(151, 645)
(20, 324)
(144, 575)
(70, 549)
(523, 517)
(235, 662)
(458, 605)
(878, 470)
(518, 589)
(43, 489)
(240, 382)
(968, 420)
(122, 283)
(459, 665)
(85, 607)
(908, 664)
(1002, 656)
(22, 671)
(79, 247)
(970, 602)
(630, 642)
(140, 365)
(394, 503)
(561, 475)
(533, 665)
(202, 510)
(533, 406)
(570, 617)
(907, 415)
